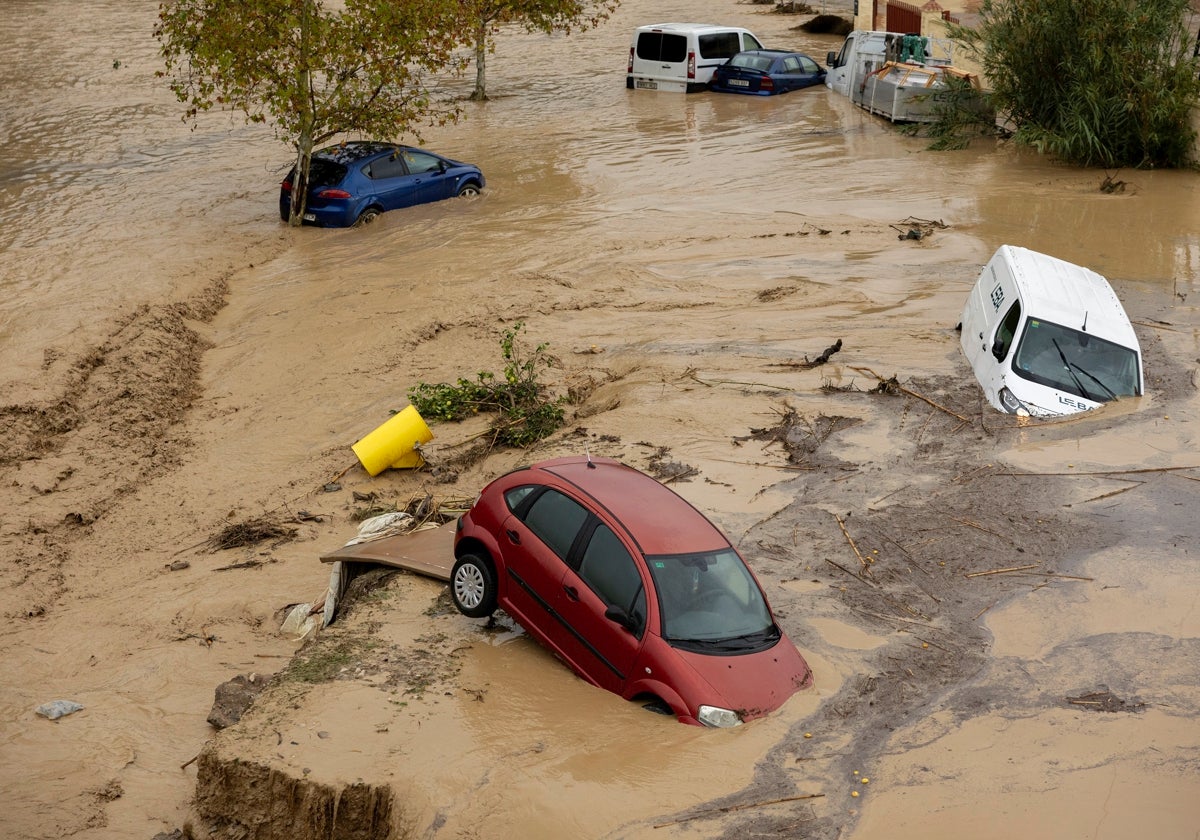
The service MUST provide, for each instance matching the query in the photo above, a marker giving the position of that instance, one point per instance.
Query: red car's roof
(657, 518)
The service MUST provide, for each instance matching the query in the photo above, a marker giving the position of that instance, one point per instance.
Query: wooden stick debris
(1112, 493)
(1157, 325)
(931, 644)
(837, 565)
(729, 808)
(1061, 577)
(713, 382)
(977, 526)
(866, 564)
(985, 609)
(914, 394)
(342, 474)
(1001, 571)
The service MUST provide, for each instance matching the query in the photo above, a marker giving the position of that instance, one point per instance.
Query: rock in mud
(233, 697)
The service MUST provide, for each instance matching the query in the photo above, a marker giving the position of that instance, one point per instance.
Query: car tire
(469, 188)
(473, 586)
(367, 216)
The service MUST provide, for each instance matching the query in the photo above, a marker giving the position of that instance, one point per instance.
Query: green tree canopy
(484, 17)
(1096, 82)
(309, 71)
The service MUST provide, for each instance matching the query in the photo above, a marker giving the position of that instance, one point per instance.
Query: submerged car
(681, 57)
(630, 586)
(767, 72)
(1046, 337)
(353, 182)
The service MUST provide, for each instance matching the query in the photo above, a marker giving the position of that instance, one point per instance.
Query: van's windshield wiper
(1071, 370)
(1092, 376)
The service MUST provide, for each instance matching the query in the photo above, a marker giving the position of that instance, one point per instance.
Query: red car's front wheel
(473, 586)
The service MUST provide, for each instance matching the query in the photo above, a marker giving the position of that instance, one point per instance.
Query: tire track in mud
(111, 423)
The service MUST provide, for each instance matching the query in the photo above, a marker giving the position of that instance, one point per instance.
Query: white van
(1046, 337)
(681, 57)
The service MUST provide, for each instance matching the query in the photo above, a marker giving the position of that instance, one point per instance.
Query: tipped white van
(1047, 337)
(681, 57)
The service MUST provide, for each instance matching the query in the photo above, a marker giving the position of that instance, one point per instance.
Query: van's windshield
(1076, 362)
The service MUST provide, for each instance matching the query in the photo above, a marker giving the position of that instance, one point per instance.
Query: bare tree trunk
(304, 142)
(480, 92)
(304, 146)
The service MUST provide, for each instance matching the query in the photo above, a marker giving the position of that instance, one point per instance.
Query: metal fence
(906, 17)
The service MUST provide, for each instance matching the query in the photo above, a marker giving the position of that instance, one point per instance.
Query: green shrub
(1107, 83)
(526, 411)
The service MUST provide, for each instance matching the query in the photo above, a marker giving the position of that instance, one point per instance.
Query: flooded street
(173, 360)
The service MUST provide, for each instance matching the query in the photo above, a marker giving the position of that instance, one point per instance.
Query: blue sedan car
(767, 72)
(352, 183)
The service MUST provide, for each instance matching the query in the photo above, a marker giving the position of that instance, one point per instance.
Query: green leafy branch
(527, 412)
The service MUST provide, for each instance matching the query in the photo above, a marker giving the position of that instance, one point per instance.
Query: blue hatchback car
(353, 182)
(767, 72)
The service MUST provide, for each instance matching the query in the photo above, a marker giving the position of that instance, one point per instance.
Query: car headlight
(1011, 404)
(716, 716)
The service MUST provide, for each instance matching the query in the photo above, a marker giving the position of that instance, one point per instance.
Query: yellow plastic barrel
(394, 444)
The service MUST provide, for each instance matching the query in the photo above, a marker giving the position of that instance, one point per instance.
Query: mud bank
(273, 804)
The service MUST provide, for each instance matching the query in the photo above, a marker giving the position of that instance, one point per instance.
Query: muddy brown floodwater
(174, 361)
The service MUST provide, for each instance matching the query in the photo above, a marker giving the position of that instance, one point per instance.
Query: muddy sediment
(175, 365)
(912, 548)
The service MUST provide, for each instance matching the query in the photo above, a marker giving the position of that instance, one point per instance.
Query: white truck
(892, 74)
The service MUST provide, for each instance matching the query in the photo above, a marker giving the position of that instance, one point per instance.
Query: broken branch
(912, 393)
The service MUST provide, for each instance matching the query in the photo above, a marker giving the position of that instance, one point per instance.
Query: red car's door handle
(513, 535)
(572, 592)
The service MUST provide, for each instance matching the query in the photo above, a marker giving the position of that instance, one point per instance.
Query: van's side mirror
(831, 60)
(999, 350)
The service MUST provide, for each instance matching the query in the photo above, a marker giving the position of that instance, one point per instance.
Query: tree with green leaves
(485, 17)
(309, 71)
(1095, 82)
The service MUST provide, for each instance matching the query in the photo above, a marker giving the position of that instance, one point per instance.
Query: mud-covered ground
(178, 375)
(910, 548)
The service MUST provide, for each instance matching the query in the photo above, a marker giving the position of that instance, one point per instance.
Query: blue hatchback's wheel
(473, 586)
(367, 216)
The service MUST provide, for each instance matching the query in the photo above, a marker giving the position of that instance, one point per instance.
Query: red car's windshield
(708, 599)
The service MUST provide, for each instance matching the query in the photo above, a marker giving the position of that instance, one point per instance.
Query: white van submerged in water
(681, 57)
(1047, 337)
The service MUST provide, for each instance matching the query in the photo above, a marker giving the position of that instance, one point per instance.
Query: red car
(630, 586)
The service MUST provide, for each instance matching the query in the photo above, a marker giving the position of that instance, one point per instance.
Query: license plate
(645, 84)
(310, 217)
(739, 83)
